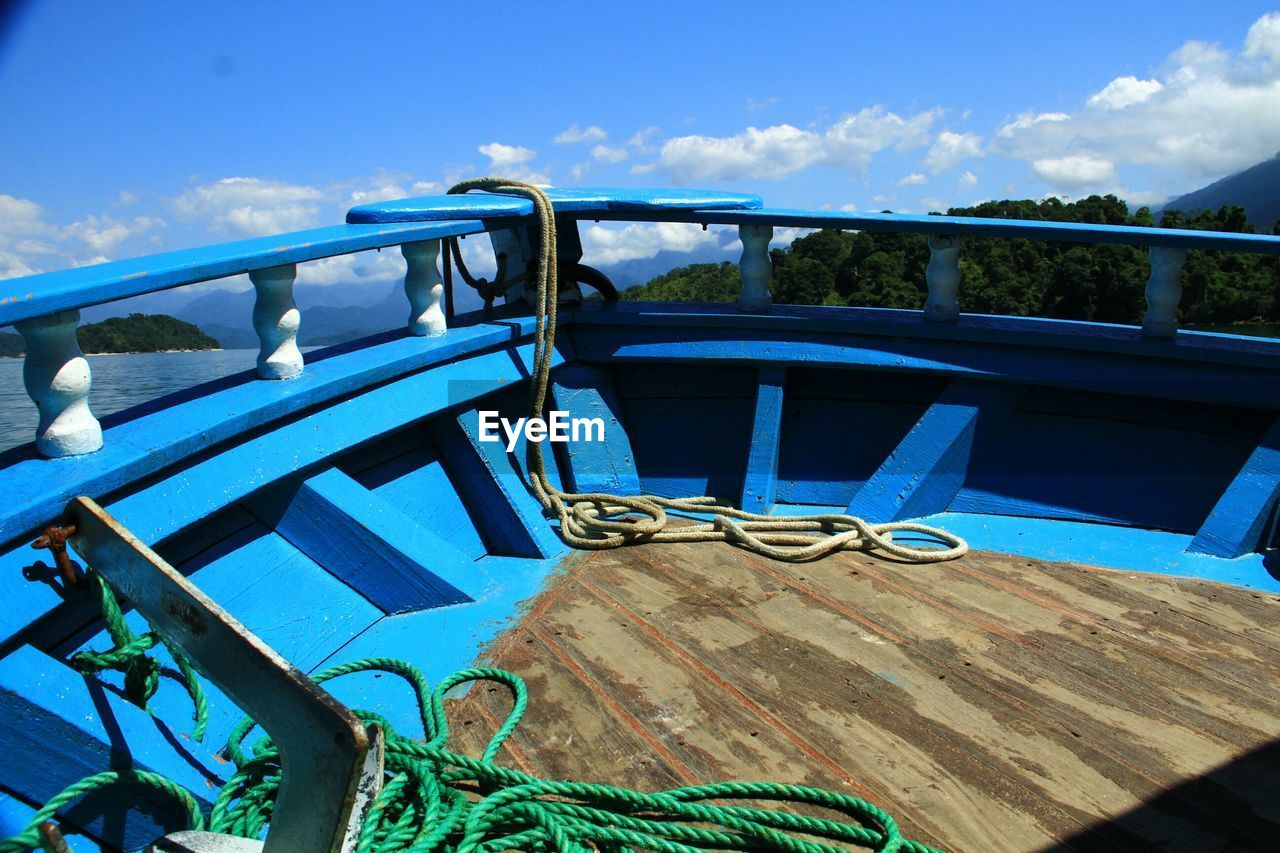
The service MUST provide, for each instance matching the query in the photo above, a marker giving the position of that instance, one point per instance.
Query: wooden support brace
(760, 485)
(927, 469)
(587, 391)
(1236, 524)
(367, 543)
(509, 517)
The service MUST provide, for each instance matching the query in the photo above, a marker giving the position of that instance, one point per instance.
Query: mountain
(1256, 189)
(134, 333)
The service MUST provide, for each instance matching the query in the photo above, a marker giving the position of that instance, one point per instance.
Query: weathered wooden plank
(1237, 522)
(760, 485)
(984, 712)
(927, 469)
(58, 726)
(587, 391)
(367, 543)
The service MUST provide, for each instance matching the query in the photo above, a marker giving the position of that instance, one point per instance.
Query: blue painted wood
(1094, 371)
(492, 479)
(57, 727)
(417, 483)
(367, 543)
(587, 391)
(176, 502)
(565, 200)
(1237, 522)
(760, 484)
(972, 226)
(1088, 468)
(839, 426)
(979, 328)
(458, 638)
(927, 469)
(15, 814)
(36, 295)
(165, 432)
(1109, 546)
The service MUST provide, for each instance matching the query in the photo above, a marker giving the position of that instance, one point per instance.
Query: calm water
(119, 381)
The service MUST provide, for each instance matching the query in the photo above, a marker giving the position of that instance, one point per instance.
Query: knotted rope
(597, 521)
(129, 656)
(435, 799)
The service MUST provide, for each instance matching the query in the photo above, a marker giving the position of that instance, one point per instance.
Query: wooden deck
(993, 703)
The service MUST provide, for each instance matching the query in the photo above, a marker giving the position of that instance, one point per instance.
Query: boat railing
(45, 308)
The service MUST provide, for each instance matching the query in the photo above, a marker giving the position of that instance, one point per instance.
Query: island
(134, 333)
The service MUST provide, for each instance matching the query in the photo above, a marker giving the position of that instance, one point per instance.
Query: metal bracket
(330, 773)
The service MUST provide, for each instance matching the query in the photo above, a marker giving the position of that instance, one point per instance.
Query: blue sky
(136, 127)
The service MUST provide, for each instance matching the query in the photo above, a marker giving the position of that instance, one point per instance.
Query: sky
(129, 128)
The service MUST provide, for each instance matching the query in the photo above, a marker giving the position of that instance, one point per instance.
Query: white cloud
(1029, 119)
(773, 153)
(782, 150)
(968, 180)
(609, 244)
(1263, 38)
(573, 135)
(1124, 92)
(641, 139)
(950, 148)
(915, 179)
(762, 104)
(1206, 112)
(252, 207)
(103, 235)
(579, 170)
(20, 217)
(511, 161)
(1074, 171)
(606, 154)
(854, 139)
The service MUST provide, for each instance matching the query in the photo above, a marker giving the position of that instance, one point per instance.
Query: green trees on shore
(135, 333)
(1005, 276)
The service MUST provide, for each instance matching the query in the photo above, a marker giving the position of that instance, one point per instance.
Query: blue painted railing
(45, 308)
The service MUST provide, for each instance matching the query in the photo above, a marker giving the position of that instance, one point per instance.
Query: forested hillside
(135, 333)
(1004, 276)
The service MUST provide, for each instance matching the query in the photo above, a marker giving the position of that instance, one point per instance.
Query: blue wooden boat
(1098, 671)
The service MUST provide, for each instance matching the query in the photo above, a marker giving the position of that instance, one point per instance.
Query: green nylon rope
(434, 799)
(129, 656)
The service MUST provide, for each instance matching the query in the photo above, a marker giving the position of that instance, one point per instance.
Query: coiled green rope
(429, 798)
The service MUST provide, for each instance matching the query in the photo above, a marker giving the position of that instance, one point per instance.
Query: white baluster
(424, 287)
(276, 319)
(943, 279)
(1164, 292)
(756, 267)
(57, 377)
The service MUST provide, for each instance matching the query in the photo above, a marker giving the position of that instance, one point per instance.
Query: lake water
(119, 381)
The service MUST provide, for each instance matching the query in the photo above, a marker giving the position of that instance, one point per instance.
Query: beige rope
(598, 521)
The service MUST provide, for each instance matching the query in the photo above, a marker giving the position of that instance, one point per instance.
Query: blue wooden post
(276, 319)
(928, 468)
(587, 391)
(760, 486)
(756, 267)
(424, 288)
(1164, 292)
(943, 278)
(1236, 524)
(57, 377)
